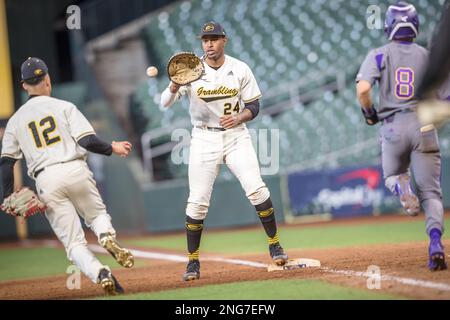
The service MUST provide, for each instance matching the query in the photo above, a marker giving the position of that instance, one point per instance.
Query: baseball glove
(23, 203)
(184, 68)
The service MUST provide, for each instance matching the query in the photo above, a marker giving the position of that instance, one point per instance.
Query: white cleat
(408, 199)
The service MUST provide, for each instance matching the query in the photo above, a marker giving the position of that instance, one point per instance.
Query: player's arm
(94, 144)
(170, 95)
(249, 112)
(10, 154)
(7, 169)
(83, 133)
(369, 73)
(364, 94)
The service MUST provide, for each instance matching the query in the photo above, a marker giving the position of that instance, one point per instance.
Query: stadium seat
(273, 38)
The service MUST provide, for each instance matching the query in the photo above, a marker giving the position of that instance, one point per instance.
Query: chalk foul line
(180, 258)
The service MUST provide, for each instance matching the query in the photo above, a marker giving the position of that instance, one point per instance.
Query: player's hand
(370, 115)
(121, 148)
(174, 88)
(230, 121)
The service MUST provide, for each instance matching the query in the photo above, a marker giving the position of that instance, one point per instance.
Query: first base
(294, 264)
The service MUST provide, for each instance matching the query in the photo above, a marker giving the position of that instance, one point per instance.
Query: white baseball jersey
(220, 92)
(45, 130)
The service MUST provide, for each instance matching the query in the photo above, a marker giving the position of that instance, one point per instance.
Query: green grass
(293, 289)
(40, 262)
(332, 236)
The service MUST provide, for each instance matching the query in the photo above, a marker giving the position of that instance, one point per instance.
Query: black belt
(38, 172)
(210, 128)
(391, 118)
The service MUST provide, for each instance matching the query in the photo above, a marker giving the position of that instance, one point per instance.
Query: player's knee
(196, 211)
(429, 194)
(428, 189)
(259, 196)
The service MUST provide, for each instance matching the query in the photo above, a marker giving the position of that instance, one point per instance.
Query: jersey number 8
(404, 79)
(50, 124)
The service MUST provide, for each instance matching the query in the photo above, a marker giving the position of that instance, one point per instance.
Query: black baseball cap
(33, 68)
(212, 29)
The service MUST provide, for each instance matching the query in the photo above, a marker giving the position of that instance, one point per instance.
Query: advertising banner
(343, 192)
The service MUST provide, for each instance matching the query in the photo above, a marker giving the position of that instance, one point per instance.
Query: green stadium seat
(281, 51)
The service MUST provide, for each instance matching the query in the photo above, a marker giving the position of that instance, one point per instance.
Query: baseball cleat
(109, 283)
(192, 270)
(123, 256)
(277, 253)
(437, 256)
(408, 199)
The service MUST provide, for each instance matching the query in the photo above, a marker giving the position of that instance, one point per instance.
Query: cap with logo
(212, 29)
(33, 68)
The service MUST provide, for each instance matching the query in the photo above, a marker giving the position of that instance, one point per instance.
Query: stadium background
(305, 56)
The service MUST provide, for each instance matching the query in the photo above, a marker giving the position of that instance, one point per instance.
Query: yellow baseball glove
(184, 68)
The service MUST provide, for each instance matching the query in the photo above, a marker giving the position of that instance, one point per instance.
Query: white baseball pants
(67, 189)
(208, 150)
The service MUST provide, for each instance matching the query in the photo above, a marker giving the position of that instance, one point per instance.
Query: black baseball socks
(194, 230)
(267, 216)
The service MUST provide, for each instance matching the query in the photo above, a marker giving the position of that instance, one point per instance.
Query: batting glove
(371, 116)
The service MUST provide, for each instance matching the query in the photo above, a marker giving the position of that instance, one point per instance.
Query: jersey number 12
(50, 126)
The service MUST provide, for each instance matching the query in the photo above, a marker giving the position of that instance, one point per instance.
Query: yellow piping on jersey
(253, 99)
(84, 135)
(9, 155)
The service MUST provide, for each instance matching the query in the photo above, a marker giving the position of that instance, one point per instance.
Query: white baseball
(152, 71)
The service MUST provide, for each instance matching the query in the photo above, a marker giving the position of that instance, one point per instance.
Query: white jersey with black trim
(45, 130)
(220, 92)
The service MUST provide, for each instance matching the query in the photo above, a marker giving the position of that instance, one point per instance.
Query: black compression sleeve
(253, 107)
(439, 65)
(7, 165)
(94, 144)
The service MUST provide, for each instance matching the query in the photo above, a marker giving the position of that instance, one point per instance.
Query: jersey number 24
(49, 125)
(227, 108)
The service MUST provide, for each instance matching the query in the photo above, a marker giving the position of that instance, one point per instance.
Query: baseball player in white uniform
(53, 135)
(221, 102)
